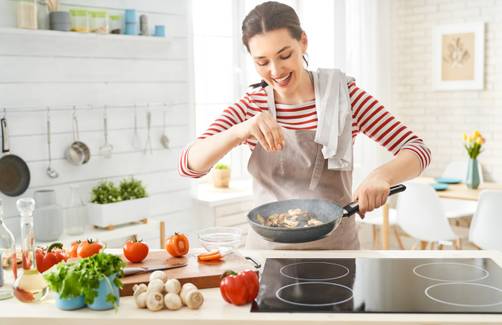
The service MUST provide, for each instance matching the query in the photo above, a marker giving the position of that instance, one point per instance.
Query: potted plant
(221, 175)
(93, 281)
(111, 205)
(473, 144)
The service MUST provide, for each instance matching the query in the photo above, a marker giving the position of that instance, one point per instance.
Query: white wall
(442, 117)
(40, 69)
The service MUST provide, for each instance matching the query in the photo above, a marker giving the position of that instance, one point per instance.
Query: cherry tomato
(89, 248)
(177, 245)
(135, 251)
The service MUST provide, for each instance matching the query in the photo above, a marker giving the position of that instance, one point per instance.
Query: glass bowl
(224, 239)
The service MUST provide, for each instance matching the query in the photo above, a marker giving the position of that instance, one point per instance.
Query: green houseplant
(93, 281)
(112, 205)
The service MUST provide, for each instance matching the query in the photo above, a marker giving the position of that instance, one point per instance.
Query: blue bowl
(70, 303)
(100, 302)
(448, 180)
(440, 186)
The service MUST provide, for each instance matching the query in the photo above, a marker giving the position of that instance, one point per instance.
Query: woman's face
(278, 59)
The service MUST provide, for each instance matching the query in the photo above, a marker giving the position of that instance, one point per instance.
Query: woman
(294, 123)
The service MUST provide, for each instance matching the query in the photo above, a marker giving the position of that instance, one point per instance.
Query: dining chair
(420, 215)
(487, 221)
(375, 219)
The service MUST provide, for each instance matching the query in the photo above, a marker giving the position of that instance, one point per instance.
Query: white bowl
(224, 239)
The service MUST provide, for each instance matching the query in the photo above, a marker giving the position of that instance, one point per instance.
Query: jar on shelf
(99, 22)
(26, 14)
(116, 24)
(79, 20)
(75, 216)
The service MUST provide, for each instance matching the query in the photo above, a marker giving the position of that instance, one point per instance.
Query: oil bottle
(30, 286)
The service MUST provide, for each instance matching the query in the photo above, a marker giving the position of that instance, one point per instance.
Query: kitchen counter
(216, 311)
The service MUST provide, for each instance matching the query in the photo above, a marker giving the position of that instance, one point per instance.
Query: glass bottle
(26, 14)
(7, 257)
(30, 286)
(75, 219)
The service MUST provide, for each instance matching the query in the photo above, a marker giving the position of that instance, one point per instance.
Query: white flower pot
(105, 215)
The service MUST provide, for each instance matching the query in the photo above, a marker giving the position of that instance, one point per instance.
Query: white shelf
(53, 33)
(238, 190)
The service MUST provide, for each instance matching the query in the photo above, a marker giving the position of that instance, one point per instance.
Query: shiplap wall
(441, 117)
(39, 69)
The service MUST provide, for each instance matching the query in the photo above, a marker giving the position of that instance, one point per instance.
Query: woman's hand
(264, 128)
(371, 194)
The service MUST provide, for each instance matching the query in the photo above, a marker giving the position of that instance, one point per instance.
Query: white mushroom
(140, 299)
(172, 286)
(154, 301)
(156, 285)
(139, 288)
(193, 299)
(191, 296)
(158, 275)
(172, 301)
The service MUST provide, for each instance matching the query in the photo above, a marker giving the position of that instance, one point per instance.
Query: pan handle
(5, 137)
(353, 207)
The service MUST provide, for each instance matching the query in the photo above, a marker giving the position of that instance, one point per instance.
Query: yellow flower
(477, 134)
(465, 136)
(479, 141)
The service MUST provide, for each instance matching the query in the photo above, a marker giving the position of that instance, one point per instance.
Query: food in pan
(294, 218)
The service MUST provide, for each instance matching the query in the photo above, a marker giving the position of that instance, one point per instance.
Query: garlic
(191, 296)
(172, 301)
(158, 275)
(156, 285)
(154, 301)
(140, 299)
(172, 286)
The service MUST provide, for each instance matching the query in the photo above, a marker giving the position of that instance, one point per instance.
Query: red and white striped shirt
(368, 117)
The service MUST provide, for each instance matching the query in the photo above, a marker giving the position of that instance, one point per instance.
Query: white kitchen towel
(334, 115)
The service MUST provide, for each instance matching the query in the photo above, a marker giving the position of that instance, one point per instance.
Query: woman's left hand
(371, 194)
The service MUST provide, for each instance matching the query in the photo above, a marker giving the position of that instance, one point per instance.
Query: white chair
(456, 208)
(486, 224)
(420, 214)
(375, 219)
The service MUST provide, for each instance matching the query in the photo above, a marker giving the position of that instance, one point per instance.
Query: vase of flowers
(473, 144)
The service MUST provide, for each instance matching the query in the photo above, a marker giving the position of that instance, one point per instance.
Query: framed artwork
(458, 56)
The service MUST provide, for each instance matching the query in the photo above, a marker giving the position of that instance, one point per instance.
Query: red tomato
(135, 251)
(88, 248)
(239, 289)
(177, 245)
(74, 248)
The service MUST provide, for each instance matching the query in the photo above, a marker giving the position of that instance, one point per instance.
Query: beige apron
(299, 171)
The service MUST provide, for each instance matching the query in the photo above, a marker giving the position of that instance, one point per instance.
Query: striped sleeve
(371, 118)
(240, 111)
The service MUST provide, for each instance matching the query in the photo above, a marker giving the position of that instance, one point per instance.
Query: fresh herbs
(129, 189)
(221, 166)
(82, 277)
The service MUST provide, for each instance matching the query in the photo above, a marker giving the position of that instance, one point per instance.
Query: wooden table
(454, 191)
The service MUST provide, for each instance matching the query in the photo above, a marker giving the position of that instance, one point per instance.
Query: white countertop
(216, 311)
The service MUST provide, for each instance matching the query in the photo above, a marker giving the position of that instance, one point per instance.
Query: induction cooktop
(380, 285)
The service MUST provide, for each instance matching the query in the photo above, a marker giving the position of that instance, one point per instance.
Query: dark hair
(269, 16)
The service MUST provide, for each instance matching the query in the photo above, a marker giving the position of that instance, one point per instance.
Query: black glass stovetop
(380, 285)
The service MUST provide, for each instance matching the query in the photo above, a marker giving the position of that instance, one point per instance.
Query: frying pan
(14, 172)
(329, 213)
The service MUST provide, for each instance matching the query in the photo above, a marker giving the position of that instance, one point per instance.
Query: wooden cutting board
(203, 275)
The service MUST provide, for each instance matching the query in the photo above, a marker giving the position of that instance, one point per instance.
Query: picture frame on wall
(458, 54)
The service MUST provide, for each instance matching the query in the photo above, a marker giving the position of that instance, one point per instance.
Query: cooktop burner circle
(450, 272)
(465, 294)
(306, 294)
(314, 271)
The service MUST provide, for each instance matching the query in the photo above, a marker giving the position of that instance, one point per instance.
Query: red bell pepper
(46, 258)
(241, 288)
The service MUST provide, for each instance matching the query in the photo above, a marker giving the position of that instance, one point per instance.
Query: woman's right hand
(264, 128)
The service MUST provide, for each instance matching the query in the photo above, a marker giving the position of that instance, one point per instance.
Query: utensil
(51, 172)
(164, 140)
(136, 141)
(145, 269)
(106, 149)
(329, 213)
(148, 144)
(14, 170)
(77, 153)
